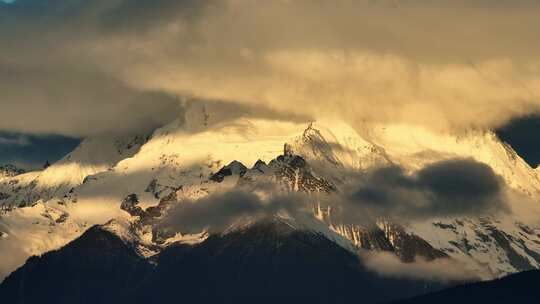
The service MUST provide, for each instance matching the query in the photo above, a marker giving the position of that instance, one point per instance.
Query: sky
(30, 152)
(524, 136)
(75, 68)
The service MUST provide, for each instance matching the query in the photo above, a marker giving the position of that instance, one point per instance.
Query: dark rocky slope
(519, 288)
(268, 262)
(95, 268)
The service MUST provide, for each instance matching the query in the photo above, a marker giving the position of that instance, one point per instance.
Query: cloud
(12, 257)
(14, 141)
(440, 270)
(222, 210)
(79, 67)
(78, 103)
(216, 211)
(456, 187)
(219, 211)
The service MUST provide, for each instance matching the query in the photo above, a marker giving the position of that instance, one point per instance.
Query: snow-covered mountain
(9, 171)
(137, 180)
(34, 217)
(92, 156)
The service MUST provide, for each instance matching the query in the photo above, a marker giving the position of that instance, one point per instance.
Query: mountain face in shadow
(518, 288)
(95, 268)
(268, 262)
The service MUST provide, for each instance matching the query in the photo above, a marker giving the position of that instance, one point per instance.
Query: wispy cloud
(389, 265)
(15, 141)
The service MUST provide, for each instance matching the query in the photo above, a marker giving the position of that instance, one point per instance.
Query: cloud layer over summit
(84, 67)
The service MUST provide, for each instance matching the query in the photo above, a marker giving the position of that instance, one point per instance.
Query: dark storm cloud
(219, 211)
(455, 179)
(448, 188)
(459, 187)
